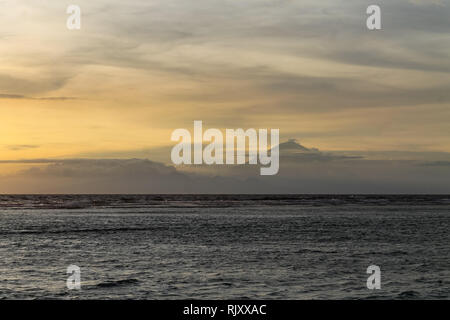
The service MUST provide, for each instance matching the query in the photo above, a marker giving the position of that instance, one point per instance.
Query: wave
(112, 283)
(73, 202)
(117, 283)
(96, 230)
(410, 294)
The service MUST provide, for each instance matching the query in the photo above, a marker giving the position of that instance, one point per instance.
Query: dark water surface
(224, 247)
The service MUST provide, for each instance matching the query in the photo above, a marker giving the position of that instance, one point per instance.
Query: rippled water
(224, 247)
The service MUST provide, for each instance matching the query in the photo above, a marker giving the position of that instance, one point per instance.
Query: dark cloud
(293, 152)
(108, 176)
(28, 161)
(11, 96)
(302, 170)
(24, 88)
(20, 97)
(437, 164)
(18, 147)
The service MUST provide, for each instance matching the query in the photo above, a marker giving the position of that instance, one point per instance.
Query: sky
(92, 110)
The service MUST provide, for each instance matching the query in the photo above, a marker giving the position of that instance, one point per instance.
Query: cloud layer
(303, 170)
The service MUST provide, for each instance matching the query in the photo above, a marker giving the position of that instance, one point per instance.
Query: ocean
(224, 246)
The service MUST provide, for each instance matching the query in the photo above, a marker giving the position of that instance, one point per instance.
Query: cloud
(108, 176)
(200, 40)
(18, 147)
(28, 161)
(22, 97)
(437, 164)
(11, 96)
(25, 87)
(130, 168)
(302, 170)
(428, 2)
(292, 151)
